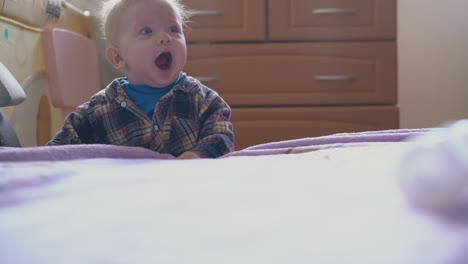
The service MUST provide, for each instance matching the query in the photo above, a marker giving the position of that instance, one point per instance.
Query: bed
(342, 198)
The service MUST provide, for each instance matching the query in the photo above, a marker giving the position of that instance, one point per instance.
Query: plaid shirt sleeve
(216, 136)
(76, 129)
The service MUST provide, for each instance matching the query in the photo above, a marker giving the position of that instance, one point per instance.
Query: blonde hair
(112, 9)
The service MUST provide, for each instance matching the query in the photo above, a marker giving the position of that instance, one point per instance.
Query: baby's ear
(113, 56)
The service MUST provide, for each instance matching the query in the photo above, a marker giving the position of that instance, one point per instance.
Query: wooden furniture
(297, 68)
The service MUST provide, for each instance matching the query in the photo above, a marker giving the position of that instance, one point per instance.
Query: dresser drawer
(332, 20)
(226, 20)
(297, 73)
(254, 126)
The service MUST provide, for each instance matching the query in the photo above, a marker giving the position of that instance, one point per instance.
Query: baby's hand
(188, 155)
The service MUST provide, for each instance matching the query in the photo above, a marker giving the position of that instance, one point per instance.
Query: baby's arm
(76, 129)
(216, 134)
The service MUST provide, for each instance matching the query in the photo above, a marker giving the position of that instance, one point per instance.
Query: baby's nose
(164, 38)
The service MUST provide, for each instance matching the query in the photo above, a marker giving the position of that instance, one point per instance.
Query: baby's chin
(163, 81)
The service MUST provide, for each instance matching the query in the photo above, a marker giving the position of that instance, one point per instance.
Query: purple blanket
(333, 141)
(70, 152)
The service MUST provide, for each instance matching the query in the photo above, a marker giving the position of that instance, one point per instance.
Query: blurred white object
(434, 172)
(11, 92)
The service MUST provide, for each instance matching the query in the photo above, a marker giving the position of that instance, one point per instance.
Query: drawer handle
(207, 79)
(207, 13)
(332, 11)
(334, 78)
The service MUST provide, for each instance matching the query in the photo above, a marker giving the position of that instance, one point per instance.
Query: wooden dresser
(297, 68)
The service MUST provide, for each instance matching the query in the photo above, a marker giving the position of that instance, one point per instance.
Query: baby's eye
(146, 31)
(174, 29)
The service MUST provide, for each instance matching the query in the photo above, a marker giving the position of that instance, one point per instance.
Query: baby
(156, 105)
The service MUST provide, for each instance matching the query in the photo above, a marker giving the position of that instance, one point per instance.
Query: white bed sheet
(339, 205)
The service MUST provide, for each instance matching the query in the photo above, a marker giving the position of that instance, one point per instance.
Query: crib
(38, 38)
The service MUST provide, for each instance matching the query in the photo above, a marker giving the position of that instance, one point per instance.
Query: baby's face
(151, 43)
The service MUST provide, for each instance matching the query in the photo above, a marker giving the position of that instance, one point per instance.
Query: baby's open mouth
(164, 61)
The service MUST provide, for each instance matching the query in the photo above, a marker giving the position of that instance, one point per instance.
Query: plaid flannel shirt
(189, 117)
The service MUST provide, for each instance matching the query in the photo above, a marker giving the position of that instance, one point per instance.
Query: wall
(433, 61)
